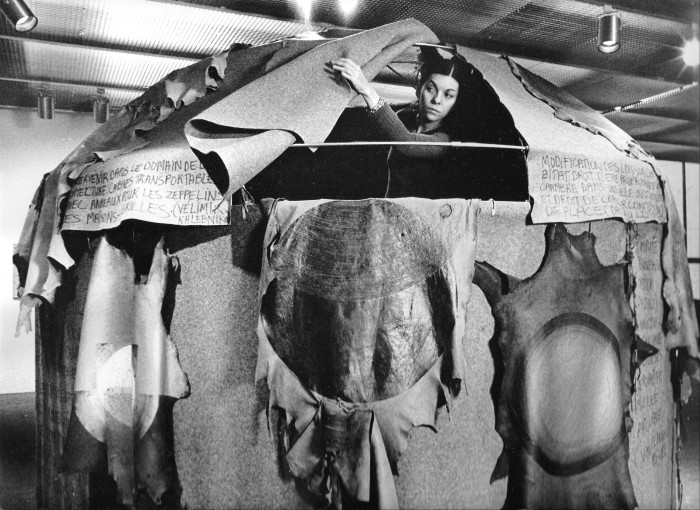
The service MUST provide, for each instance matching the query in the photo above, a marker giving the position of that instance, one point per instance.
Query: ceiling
(124, 46)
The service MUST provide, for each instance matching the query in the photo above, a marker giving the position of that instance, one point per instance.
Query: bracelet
(377, 106)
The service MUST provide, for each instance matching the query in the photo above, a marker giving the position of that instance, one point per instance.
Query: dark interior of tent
(357, 172)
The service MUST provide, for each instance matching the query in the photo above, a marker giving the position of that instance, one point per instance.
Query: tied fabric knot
(333, 427)
(338, 448)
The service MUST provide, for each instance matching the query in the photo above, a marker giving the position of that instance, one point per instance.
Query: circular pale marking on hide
(116, 387)
(571, 400)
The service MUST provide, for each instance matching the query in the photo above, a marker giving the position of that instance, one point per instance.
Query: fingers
(336, 75)
(345, 69)
(344, 61)
(341, 68)
(345, 65)
(348, 70)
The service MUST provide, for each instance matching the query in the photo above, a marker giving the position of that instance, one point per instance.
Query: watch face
(569, 404)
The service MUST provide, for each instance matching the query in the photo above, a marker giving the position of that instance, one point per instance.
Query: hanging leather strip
(360, 333)
(23, 249)
(681, 322)
(127, 377)
(567, 339)
(569, 109)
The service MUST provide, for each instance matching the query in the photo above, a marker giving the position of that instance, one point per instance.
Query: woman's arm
(393, 129)
(352, 72)
(386, 119)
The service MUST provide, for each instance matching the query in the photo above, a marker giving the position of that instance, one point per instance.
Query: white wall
(688, 204)
(692, 179)
(30, 147)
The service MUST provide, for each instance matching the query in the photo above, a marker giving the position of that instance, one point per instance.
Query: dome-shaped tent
(221, 122)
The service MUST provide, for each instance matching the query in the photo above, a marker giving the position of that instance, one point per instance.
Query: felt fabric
(375, 410)
(225, 456)
(125, 139)
(301, 100)
(134, 148)
(551, 123)
(29, 259)
(121, 134)
(567, 339)
(570, 109)
(23, 250)
(127, 376)
(38, 274)
(151, 127)
(681, 322)
(125, 131)
(310, 107)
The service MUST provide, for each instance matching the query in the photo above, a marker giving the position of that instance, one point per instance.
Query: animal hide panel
(567, 336)
(360, 333)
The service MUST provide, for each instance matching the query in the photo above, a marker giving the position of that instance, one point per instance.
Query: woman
(418, 170)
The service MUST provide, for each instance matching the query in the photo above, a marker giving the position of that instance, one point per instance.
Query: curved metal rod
(446, 144)
(439, 46)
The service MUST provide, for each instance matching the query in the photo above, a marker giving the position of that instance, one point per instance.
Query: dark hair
(479, 116)
(433, 63)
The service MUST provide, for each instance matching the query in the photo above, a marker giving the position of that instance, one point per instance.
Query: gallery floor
(18, 471)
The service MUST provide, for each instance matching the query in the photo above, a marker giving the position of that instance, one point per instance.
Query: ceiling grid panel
(130, 44)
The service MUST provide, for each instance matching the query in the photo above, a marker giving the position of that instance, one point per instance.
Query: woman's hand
(353, 74)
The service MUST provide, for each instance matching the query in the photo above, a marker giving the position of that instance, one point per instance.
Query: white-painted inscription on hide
(174, 191)
(574, 188)
(651, 438)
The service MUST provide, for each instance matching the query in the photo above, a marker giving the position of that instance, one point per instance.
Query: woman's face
(436, 97)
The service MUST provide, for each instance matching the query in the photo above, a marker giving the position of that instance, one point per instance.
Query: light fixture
(17, 12)
(305, 7)
(609, 31)
(100, 107)
(691, 50)
(45, 103)
(348, 6)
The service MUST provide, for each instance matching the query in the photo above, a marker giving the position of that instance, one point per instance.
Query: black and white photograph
(349, 254)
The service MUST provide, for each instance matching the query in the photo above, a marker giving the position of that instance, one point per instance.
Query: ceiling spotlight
(691, 50)
(304, 6)
(609, 31)
(100, 107)
(348, 6)
(17, 12)
(45, 104)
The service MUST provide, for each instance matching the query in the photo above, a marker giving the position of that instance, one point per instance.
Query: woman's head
(439, 82)
(436, 97)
